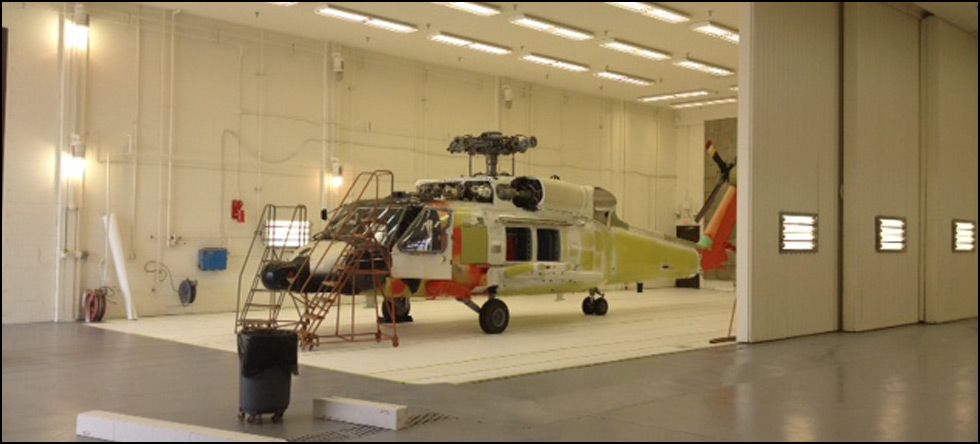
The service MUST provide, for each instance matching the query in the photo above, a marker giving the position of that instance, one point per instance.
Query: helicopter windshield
(429, 233)
(385, 222)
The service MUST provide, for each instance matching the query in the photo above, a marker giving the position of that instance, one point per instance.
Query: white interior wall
(788, 162)
(690, 166)
(30, 192)
(881, 164)
(950, 145)
(255, 117)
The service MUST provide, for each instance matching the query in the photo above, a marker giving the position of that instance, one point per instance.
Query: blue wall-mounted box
(212, 259)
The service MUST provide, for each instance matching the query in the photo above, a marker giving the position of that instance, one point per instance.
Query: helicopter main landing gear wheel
(597, 306)
(494, 317)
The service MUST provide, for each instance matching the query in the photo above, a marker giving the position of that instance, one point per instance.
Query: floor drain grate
(426, 418)
(358, 432)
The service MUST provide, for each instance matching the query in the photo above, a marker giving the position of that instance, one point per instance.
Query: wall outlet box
(212, 259)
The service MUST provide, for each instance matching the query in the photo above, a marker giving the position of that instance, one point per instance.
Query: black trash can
(268, 361)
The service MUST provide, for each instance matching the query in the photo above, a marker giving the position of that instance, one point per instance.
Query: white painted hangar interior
(857, 118)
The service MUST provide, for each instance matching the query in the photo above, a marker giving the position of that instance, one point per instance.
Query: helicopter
(494, 235)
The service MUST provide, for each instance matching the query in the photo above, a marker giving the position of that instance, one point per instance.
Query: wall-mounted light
(891, 234)
(798, 233)
(335, 178)
(964, 236)
(73, 161)
(76, 35)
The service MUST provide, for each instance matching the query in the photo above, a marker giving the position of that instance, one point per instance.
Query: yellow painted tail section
(638, 257)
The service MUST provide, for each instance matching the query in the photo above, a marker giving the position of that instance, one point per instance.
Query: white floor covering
(445, 343)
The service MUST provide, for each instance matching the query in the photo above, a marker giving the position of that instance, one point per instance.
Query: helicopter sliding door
(425, 251)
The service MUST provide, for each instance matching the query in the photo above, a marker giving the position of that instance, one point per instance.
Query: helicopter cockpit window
(429, 233)
(384, 222)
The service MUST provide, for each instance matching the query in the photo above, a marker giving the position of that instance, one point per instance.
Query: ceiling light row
(717, 31)
(653, 11)
(464, 42)
(624, 78)
(707, 68)
(550, 27)
(634, 49)
(545, 26)
(365, 19)
(532, 23)
(555, 63)
(675, 96)
(700, 104)
(668, 15)
(481, 9)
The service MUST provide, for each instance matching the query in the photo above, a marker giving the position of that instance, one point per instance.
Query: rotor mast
(491, 145)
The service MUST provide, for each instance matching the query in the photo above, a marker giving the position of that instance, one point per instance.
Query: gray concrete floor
(916, 383)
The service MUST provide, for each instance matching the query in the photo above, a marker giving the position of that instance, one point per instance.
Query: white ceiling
(601, 19)
(961, 14)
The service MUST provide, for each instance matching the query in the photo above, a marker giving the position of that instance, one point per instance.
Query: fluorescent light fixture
(286, 233)
(706, 68)
(798, 233)
(464, 42)
(481, 9)
(891, 234)
(964, 236)
(365, 19)
(675, 96)
(653, 10)
(624, 78)
(550, 27)
(76, 35)
(717, 31)
(634, 49)
(555, 63)
(700, 104)
(283, 4)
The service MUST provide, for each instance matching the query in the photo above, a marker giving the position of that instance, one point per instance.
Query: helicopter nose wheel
(494, 317)
(593, 305)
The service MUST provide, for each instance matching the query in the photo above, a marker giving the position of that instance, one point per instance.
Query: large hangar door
(881, 217)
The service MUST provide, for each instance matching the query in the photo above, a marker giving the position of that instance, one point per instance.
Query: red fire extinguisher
(238, 211)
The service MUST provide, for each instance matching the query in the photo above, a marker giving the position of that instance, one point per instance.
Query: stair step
(313, 317)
